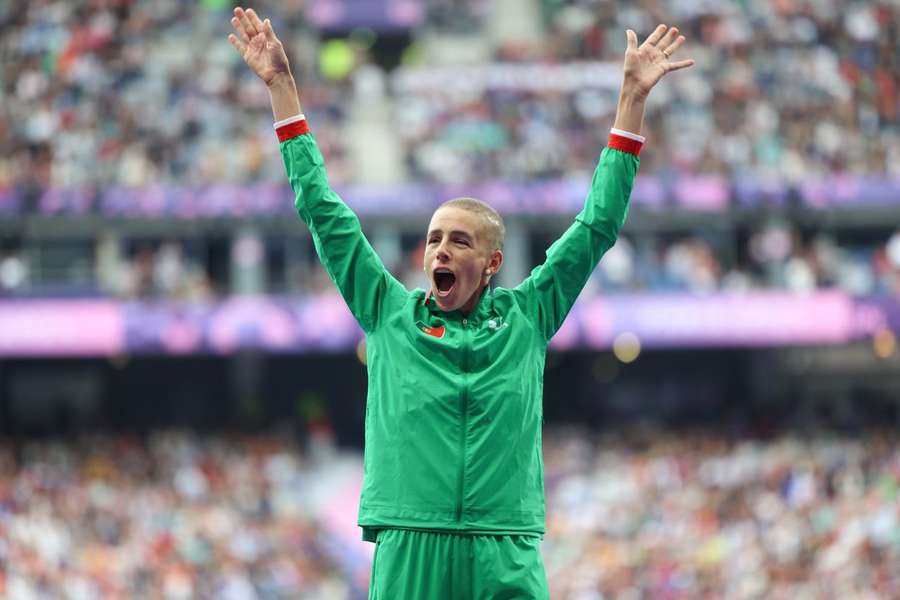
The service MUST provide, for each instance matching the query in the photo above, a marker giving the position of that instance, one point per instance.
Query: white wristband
(628, 134)
(289, 120)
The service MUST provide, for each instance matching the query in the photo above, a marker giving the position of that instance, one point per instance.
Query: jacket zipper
(464, 409)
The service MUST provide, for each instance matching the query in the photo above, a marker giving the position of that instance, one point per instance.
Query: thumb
(631, 37)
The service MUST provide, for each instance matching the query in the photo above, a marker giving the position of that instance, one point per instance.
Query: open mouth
(444, 280)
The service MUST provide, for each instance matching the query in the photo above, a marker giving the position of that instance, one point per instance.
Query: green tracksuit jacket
(454, 408)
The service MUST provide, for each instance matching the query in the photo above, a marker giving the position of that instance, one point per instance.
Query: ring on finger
(666, 53)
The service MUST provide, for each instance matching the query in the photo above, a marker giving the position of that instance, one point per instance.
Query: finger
(675, 45)
(681, 64)
(238, 44)
(631, 37)
(667, 39)
(241, 14)
(239, 28)
(255, 20)
(655, 36)
(267, 29)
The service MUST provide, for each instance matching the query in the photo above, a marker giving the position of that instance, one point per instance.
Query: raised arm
(265, 55)
(344, 251)
(550, 291)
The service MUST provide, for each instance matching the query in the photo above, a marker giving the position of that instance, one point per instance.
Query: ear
(494, 263)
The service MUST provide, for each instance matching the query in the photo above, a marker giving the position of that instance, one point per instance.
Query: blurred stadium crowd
(782, 91)
(176, 516)
(138, 93)
(775, 255)
(632, 514)
(669, 515)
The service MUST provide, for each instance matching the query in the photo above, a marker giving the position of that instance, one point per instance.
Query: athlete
(453, 487)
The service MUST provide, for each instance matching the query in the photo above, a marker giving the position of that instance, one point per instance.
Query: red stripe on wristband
(620, 142)
(292, 130)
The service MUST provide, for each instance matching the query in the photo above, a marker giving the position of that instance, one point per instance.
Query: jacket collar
(482, 310)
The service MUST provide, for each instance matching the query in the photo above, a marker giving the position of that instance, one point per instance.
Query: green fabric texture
(454, 407)
(423, 565)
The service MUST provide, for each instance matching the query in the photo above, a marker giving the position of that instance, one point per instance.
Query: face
(459, 259)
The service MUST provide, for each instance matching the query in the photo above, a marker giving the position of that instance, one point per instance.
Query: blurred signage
(569, 77)
(61, 328)
(376, 14)
(706, 193)
(323, 323)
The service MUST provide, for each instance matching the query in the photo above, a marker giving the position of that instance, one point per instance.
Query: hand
(259, 47)
(646, 64)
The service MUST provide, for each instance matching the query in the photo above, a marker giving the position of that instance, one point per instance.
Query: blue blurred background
(181, 388)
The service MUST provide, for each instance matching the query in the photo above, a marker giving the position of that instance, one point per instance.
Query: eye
(462, 242)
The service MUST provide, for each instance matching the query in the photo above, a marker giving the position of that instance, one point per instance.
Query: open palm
(646, 64)
(259, 47)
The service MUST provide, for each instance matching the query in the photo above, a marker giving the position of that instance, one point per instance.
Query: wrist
(284, 96)
(630, 111)
(632, 96)
(284, 80)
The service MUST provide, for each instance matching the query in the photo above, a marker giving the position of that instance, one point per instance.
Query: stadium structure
(182, 391)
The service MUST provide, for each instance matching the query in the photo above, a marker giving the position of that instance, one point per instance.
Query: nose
(443, 253)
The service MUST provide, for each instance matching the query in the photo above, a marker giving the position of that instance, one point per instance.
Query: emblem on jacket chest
(437, 332)
(496, 324)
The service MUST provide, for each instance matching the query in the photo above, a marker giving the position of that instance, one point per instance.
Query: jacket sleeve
(549, 292)
(351, 262)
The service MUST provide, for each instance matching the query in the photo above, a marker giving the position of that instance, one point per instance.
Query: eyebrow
(453, 232)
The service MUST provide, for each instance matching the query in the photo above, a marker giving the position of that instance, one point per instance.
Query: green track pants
(425, 565)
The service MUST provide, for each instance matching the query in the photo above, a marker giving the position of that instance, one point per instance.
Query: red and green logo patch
(437, 332)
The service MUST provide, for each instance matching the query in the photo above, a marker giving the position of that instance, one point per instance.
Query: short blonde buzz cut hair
(494, 229)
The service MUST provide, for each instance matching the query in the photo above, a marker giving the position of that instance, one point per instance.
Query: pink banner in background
(323, 323)
(735, 320)
(61, 328)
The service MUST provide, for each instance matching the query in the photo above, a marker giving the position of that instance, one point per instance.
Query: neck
(472, 302)
(466, 308)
